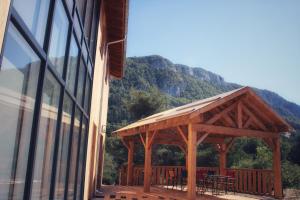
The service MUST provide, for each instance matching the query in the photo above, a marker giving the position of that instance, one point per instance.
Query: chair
(183, 178)
(230, 181)
(172, 178)
(200, 178)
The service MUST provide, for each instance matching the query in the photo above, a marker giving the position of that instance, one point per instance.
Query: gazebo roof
(262, 115)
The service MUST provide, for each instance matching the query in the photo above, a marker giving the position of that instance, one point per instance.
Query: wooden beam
(221, 114)
(229, 144)
(254, 118)
(142, 139)
(222, 159)
(147, 165)
(124, 143)
(192, 164)
(239, 115)
(152, 138)
(228, 119)
(202, 138)
(181, 133)
(277, 169)
(269, 143)
(234, 131)
(130, 163)
(247, 123)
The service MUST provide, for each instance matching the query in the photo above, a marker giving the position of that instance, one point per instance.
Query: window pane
(58, 39)
(62, 157)
(80, 172)
(18, 84)
(70, 5)
(34, 13)
(74, 153)
(95, 25)
(88, 19)
(87, 94)
(45, 138)
(84, 52)
(77, 27)
(72, 65)
(80, 86)
(81, 7)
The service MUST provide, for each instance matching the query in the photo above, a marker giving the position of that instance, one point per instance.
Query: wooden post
(192, 153)
(130, 162)
(222, 159)
(147, 166)
(186, 160)
(277, 169)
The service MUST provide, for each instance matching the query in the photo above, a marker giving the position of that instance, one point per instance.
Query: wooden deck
(157, 192)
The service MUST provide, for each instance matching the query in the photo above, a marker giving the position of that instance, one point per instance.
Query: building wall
(4, 8)
(98, 114)
(99, 102)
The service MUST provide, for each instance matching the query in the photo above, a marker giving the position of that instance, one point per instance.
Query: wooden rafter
(221, 114)
(181, 133)
(239, 115)
(229, 120)
(142, 139)
(202, 138)
(254, 118)
(152, 138)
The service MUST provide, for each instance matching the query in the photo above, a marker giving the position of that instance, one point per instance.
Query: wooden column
(147, 166)
(130, 162)
(222, 159)
(186, 160)
(277, 169)
(192, 153)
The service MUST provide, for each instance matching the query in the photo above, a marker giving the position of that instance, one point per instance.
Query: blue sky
(250, 42)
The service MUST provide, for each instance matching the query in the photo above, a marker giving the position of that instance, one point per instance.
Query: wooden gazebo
(218, 120)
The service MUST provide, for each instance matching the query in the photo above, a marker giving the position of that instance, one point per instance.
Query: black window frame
(42, 52)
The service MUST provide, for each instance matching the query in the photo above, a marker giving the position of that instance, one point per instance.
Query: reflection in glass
(80, 174)
(80, 86)
(34, 13)
(74, 153)
(45, 138)
(58, 38)
(84, 52)
(94, 30)
(81, 7)
(88, 19)
(18, 84)
(87, 94)
(72, 65)
(62, 157)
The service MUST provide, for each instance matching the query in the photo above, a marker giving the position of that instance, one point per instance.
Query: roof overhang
(116, 12)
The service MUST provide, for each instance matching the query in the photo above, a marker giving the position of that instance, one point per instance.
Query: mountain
(182, 84)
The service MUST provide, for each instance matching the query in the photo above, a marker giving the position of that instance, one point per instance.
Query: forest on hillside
(148, 88)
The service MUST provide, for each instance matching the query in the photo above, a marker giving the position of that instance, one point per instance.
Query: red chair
(230, 181)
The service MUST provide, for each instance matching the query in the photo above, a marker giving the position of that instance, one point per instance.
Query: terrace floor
(158, 192)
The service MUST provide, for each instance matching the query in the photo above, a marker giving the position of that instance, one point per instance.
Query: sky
(250, 42)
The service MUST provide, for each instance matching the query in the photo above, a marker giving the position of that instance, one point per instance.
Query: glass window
(81, 7)
(74, 153)
(94, 30)
(72, 65)
(70, 4)
(34, 14)
(81, 158)
(46, 138)
(80, 82)
(87, 94)
(84, 52)
(77, 27)
(88, 19)
(18, 85)
(62, 157)
(58, 38)
(90, 67)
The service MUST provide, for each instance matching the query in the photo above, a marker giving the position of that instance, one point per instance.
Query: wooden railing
(252, 181)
